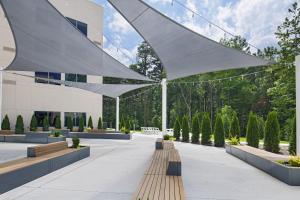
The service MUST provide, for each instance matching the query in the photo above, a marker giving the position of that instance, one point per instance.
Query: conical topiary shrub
(252, 131)
(90, 123)
(195, 129)
(185, 129)
(292, 147)
(33, 123)
(235, 130)
(127, 126)
(206, 130)
(122, 123)
(46, 124)
(57, 122)
(261, 127)
(272, 133)
(81, 124)
(69, 122)
(177, 129)
(226, 124)
(219, 139)
(5, 125)
(100, 124)
(19, 129)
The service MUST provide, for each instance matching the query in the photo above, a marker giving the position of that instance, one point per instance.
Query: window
(76, 78)
(82, 27)
(75, 117)
(47, 75)
(40, 115)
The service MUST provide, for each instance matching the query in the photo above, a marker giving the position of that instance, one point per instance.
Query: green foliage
(226, 123)
(206, 130)
(195, 129)
(156, 121)
(294, 161)
(292, 147)
(81, 124)
(166, 137)
(46, 124)
(76, 142)
(19, 129)
(261, 127)
(234, 141)
(100, 124)
(5, 123)
(219, 138)
(177, 129)
(69, 122)
(185, 129)
(56, 134)
(90, 123)
(252, 131)
(237, 43)
(235, 131)
(122, 122)
(57, 122)
(33, 123)
(272, 131)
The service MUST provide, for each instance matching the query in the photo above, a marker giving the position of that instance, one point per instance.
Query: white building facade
(26, 96)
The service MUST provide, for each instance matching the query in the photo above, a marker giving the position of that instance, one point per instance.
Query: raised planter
(22, 175)
(37, 137)
(56, 139)
(64, 132)
(289, 175)
(112, 136)
(32, 137)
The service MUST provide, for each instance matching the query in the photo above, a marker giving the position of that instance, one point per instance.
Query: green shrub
(219, 138)
(46, 124)
(5, 123)
(252, 131)
(195, 129)
(127, 126)
(294, 161)
(235, 131)
(177, 129)
(90, 123)
(272, 133)
(19, 129)
(57, 122)
(76, 142)
(185, 129)
(206, 130)
(122, 123)
(69, 122)
(292, 147)
(81, 124)
(234, 141)
(56, 134)
(226, 124)
(261, 127)
(166, 137)
(100, 124)
(33, 123)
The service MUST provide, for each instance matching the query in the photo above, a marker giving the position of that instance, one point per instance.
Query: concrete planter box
(2, 138)
(64, 132)
(112, 136)
(56, 139)
(21, 176)
(37, 137)
(289, 175)
(32, 137)
(15, 138)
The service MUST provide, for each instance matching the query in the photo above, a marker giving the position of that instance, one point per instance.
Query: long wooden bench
(174, 163)
(156, 184)
(41, 150)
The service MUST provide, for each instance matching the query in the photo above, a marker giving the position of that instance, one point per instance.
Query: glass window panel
(81, 78)
(40, 115)
(55, 76)
(82, 27)
(70, 77)
(72, 21)
(52, 116)
(41, 75)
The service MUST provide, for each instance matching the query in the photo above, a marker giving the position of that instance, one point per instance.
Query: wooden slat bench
(156, 184)
(41, 150)
(174, 163)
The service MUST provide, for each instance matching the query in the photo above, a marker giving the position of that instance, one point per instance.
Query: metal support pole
(117, 113)
(164, 106)
(298, 104)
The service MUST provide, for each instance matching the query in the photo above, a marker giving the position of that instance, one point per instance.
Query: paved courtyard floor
(116, 167)
(12, 151)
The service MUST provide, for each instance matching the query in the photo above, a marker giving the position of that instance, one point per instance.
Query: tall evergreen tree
(33, 123)
(19, 129)
(235, 130)
(69, 122)
(46, 124)
(206, 130)
(252, 131)
(100, 125)
(185, 129)
(5, 123)
(292, 147)
(219, 138)
(195, 129)
(90, 123)
(226, 124)
(272, 132)
(57, 122)
(261, 127)
(81, 124)
(177, 129)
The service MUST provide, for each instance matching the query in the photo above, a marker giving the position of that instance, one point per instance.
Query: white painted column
(164, 106)
(298, 104)
(117, 113)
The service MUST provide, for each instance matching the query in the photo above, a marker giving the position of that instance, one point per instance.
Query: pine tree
(206, 130)
(195, 129)
(235, 130)
(90, 123)
(46, 124)
(100, 125)
(185, 129)
(5, 123)
(272, 133)
(261, 127)
(219, 138)
(252, 131)
(81, 124)
(57, 122)
(292, 147)
(226, 124)
(33, 123)
(19, 129)
(69, 122)
(177, 129)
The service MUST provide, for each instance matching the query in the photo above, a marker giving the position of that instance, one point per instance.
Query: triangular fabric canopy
(47, 42)
(110, 90)
(182, 51)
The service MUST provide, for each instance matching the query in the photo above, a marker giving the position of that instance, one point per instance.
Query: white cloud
(119, 25)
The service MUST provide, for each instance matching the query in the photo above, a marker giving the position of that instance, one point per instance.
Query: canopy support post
(117, 113)
(298, 105)
(1, 96)
(164, 106)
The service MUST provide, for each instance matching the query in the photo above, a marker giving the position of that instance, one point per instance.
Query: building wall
(22, 96)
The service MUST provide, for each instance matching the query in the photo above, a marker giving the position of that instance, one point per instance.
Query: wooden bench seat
(45, 149)
(168, 145)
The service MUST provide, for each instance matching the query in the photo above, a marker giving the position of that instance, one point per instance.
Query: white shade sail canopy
(47, 42)
(182, 51)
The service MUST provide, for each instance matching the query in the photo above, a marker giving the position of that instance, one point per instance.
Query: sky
(255, 20)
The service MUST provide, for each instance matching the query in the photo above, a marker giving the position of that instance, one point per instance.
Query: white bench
(150, 130)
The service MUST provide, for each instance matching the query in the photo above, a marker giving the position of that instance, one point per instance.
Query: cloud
(119, 25)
